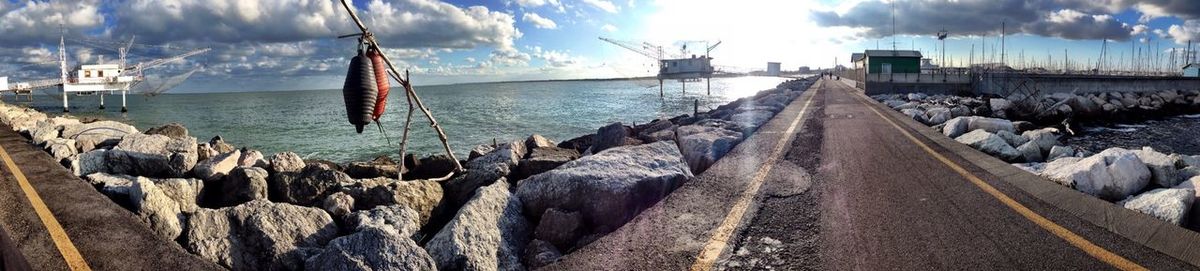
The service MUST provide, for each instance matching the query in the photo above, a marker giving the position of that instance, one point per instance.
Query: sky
(292, 44)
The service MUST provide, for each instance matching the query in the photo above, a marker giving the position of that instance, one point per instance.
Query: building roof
(893, 53)
(856, 57)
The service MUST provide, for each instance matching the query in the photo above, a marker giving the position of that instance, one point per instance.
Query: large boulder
(1013, 139)
(243, 184)
(608, 188)
(992, 125)
(544, 159)
(751, 120)
(115, 186)
(990, 144)
(184, 191)
(956, 126)
(609, 136)
(999, 107)
(702, 146)
(382, 166)
(60, 148)
(1059, 152)
(252, 158)
(540, 253)
(218, 143)
(560, 228)
(339, 205)
(1113, 174)
(502, 160)
(938, 115)
(307, 187)
(371, 249)
(259, 235)
(154, 207)
(1162, 167)
(217, 167)
(286, 162)
(488, 233)
(420, 195)
(172, 130)
(397, 219)
(477, 151)
(1168, 204)
(153, 156)
(579, 144)
(648, 132)
(538, 141)
(429, 167)
(104, 133)
(1030, 152)
(90, 162)
(1045, 138)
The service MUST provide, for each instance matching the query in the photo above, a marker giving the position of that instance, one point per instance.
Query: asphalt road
(880, 202)
(102, 234)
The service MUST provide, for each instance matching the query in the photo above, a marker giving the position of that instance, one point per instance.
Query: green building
(887, 61)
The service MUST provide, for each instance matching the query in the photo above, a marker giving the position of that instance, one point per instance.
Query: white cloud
(33, 22)
(1139, 29)
(1189, 31)
(539, 21)
(604, 5)
(608, 28)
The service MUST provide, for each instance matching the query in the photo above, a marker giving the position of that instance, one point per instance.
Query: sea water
(313, 123)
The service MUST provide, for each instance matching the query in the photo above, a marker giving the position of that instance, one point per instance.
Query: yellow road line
(720, 238)
(61, 241)
(1074, 239)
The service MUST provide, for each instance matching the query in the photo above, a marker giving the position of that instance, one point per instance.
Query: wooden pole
(408, 89)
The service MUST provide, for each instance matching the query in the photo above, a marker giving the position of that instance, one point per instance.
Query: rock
(544, 159)
(664, 135)
(1059, 152)
(702, 146)
(935, 116)
(960, 111)
(217, 167)
(751, 120)
(480, 150)
(609, 136)
(155, 208)
(646, 132)
(908, 105)
(104, 133)
(999, 107)
(990, 144)
(259, 235)
(307, 187)
(560, 228)
(1162, 167)
(420, 195)
(286, 162)
(608, 188)
(153, 156)
(537, 141)
(1014, 139)
(339, 205)
(252, 158)
(1168, 204)
(991, 125)
(85, 145)
(580, 144)
(1113, 174)
(115, 187)
(396, 219)
(433, 166)
(44, 132)
(371, 250)
(90, 162)
(917, 96)
(184, 191)
(915, 114)
(382, 166)
(956, 126)
(172, 130)
(60, 148)
(1045, 138)
(243, 184)
(1030, 152)
(540, 253)
(218, 143)
(1023, 126)
(488, 233)
(502, 160)
(205, 151)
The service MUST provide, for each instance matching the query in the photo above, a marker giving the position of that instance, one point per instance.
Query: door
(887, 68)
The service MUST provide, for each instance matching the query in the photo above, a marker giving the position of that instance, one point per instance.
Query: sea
(1175, 134)
(313, 123)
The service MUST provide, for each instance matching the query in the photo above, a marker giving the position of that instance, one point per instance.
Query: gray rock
(1113, 174)
(1014, 139)
(917, 96)
(540, 253)
(60, 148)
(915, 114)
(1045, 138)
(544, 159)
(205, 151)
(664, 135)
(480, 150)
(217, 167)
(44, 132)
(608, 188)
(243, 184)
(155, 208)
(609, 136)
(1167, 204)
(751, 120)
(1030, 152)
(184, 191)
(990, 144)
(218, 143)
(702, 146)
(560, 228)
(286, 162)
(172, 130)
(339, 205)
(502, 160)
(537, 141)
(646, 133)
(1060, 152)
(253, 158)
(992, 125)
(307, 187)
(371, 250)
(90, 162)
(380, 167)
(116, 187)
(420, 195)
(397, 219)
(153, 156)
(1162, 167)
(104, 133)
(956, 126)
(259, 235)
(999, 107)
(429, 167)
(939, 115)
(85, 145)
(488, 233)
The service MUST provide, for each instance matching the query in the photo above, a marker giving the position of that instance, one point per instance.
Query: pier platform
(56, 221)
(837, 181)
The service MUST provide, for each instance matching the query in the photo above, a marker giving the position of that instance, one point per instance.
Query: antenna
(893, 26)
(1002, 36)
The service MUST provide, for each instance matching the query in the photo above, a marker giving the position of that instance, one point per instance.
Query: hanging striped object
(381, 83)
(360, 91)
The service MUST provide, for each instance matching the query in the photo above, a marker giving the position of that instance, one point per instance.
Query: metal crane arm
(645, 48)
(158, 62)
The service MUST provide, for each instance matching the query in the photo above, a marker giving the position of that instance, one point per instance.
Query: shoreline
(212, 197)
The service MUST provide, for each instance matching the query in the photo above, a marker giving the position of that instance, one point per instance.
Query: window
(87, 73)
(99, 73)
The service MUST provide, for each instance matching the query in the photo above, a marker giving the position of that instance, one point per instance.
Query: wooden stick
(412, 94)
(407, 124)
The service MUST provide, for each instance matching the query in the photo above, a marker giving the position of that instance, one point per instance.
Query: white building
(1191, 70)
(773, 68)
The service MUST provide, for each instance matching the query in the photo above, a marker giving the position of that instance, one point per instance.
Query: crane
(644, 48)
(682, 67)
(161, 61)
